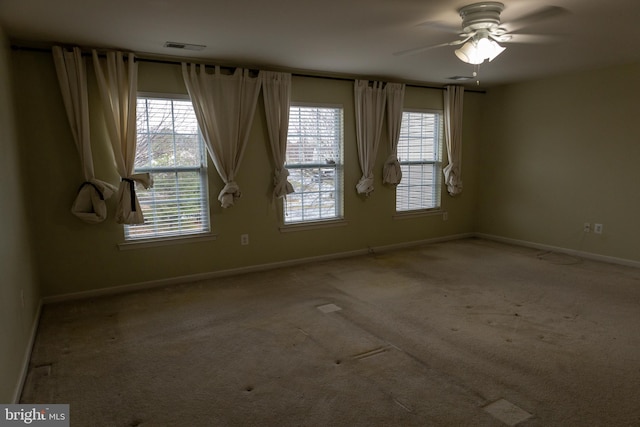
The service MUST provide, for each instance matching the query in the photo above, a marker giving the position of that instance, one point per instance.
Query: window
(314, 161)
(419, 152)
(171, 149)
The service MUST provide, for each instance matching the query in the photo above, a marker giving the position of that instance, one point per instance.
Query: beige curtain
(453, 100)
(276, 90)
(224, 106)
(369, 106)
(89, 204)
(392, 173)
(117, 77)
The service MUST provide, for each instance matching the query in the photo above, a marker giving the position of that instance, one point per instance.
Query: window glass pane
(315, 135)
(419, 155)
(418, 190)
(314, 159)
(418, 137)
(170, 148)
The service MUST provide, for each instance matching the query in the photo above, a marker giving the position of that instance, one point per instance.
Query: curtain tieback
(392, 160)
(281, 175)
(392, 171)
(229, 193)
(365, 185)
(95, 187)
(453, 179)
(132, 191)
(281, 184)
(452, 172)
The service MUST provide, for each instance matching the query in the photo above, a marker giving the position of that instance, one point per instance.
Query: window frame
(338, 166)
(202, 170)
(437, 163)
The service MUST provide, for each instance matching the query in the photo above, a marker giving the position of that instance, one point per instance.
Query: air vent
(460, 78)
(185, 46)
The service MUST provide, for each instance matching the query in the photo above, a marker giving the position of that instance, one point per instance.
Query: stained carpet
(461, 333)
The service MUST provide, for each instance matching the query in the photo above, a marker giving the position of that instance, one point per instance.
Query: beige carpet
(462, 333)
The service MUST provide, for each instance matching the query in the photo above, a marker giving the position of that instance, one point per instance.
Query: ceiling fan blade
(419, 49)
(440, 26)
(539, 15)
(531, 38)
(426, 48)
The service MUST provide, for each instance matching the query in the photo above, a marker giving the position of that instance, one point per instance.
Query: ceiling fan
(482, 31)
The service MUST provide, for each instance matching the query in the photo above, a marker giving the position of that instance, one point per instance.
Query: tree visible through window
(419, 151)
(171, 149)
(314, 161)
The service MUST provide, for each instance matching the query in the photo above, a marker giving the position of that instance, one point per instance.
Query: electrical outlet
(244, 239)
(597, 228)
(587, 227)
(445, 216)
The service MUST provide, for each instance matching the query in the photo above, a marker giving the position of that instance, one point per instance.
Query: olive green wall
(539, 160)
(19, 294)
(75, 257)
(562, 151)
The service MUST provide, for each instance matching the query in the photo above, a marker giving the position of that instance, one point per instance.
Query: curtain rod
(301, 74)
(141, 58)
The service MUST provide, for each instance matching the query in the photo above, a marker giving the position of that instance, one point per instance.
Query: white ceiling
(344, 37)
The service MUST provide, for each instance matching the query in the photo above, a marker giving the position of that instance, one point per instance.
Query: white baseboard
(241, 270)
(288, 263)
(27, 355)
(572, 252)
(411, 244)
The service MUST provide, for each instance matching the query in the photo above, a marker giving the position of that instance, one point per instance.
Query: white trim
(338, 162)
(312, 225)
(316, 104)
(425, 111)
(263, 267)
(201, 169)
(413, 243)
(27, 355)
(241, 270)
(572, 252)
(164, 95)
(438, 142)
(418, 213)
(165, 241)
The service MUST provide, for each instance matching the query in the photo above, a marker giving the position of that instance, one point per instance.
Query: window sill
(420, 213)
(303, 226)
(165, 241)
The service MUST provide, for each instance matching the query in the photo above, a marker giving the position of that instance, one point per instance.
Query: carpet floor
(460, 333)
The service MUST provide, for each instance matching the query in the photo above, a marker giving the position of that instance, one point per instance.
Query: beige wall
(75, 257)
(559, 152)
(19, 295)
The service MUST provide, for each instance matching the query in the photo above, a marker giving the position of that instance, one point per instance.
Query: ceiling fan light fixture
(469, 53)
(493, 49)
(477, 51)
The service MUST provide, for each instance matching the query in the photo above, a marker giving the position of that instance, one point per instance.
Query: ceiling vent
(460, 78)
(185, 46)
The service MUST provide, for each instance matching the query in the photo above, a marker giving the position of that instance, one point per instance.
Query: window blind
(171, 149)
(419, 150)
(314, 161)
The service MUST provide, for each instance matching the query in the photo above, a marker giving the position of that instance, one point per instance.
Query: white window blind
(419, 152)
(314, 161)
(170, 148)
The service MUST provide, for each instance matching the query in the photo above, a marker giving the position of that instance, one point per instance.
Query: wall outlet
(597, 228)
(445, 216)
(587, 227)
(244, 239)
